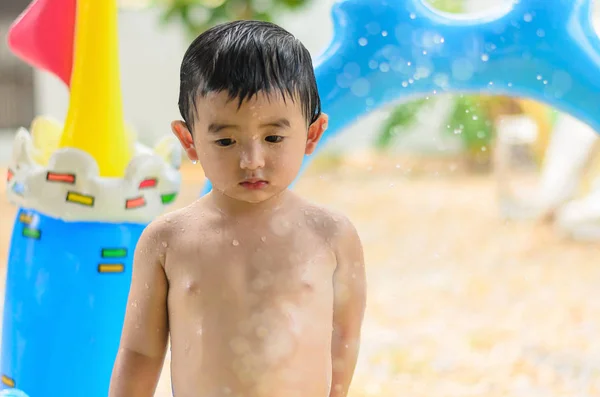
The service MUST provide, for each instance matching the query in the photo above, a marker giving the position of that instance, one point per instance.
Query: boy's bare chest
(256, 266)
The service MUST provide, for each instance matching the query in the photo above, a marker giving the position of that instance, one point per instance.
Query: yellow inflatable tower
(95, 121)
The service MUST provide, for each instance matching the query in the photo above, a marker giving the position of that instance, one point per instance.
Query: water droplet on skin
(262, 332)
(218, 231)
(235, 243)
(165, 244)
(146, 285)
(263, 239)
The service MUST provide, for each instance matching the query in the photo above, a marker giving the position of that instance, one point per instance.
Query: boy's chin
(242, 195)
(254, 197)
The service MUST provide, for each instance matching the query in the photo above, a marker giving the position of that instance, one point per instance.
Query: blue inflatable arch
(385, 51)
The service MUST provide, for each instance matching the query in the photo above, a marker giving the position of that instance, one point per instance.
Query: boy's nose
(252, 158)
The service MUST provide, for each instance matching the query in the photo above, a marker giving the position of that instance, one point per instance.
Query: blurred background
(478, 214)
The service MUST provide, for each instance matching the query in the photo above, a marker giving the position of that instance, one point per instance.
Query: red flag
(43, 36)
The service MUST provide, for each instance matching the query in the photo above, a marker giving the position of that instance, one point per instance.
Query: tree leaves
(197, 16)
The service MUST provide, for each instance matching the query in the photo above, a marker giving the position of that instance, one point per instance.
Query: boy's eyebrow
(277, 123)
(216, 127)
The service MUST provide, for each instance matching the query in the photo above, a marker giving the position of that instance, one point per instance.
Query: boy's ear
(182, 132)
(315, 132)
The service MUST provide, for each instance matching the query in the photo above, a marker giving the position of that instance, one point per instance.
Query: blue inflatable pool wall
(65, 299)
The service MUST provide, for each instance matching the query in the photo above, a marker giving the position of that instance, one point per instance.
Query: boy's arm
(349, 284)
(145, 330)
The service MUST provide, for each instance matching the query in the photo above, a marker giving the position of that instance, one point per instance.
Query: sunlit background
(475, 287)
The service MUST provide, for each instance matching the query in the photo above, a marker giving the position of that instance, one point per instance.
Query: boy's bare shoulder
(333, 225)
(166, 226)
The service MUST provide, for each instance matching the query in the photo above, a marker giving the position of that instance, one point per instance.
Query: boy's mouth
(254, 184)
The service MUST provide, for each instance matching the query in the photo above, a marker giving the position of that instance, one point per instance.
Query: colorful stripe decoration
(111, 268)
(30, 232)
(168, 198)
(135, 203)
(57, 177)
(18, 188)
(114, 252)
(148, 183)
(26, 218)
(9, 175)
(78, 198)
(8, 381)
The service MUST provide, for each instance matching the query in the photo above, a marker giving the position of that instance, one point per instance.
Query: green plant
(471, 117)
(401, 116)
(453, 6)
(199, 15)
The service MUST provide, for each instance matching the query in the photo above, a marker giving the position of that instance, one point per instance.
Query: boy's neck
(229, 206)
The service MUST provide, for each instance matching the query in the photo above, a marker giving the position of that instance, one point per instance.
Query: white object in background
(580, 219)
(568, 152)
(515, 166)
(69, 186)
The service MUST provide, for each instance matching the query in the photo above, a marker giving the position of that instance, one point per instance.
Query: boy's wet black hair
(244, 58)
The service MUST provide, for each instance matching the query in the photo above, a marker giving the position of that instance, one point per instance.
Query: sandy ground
(461, 303)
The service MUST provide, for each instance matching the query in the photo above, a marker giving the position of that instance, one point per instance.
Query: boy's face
(253, 152)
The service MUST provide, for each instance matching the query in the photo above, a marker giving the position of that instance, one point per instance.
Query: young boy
(261, 292)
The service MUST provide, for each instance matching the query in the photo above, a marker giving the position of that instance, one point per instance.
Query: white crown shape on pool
(70, 188)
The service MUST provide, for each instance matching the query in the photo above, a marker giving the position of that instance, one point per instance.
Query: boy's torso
(250, 304)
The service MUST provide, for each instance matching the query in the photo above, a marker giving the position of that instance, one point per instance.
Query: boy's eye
(224, 142)
(274, 138)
